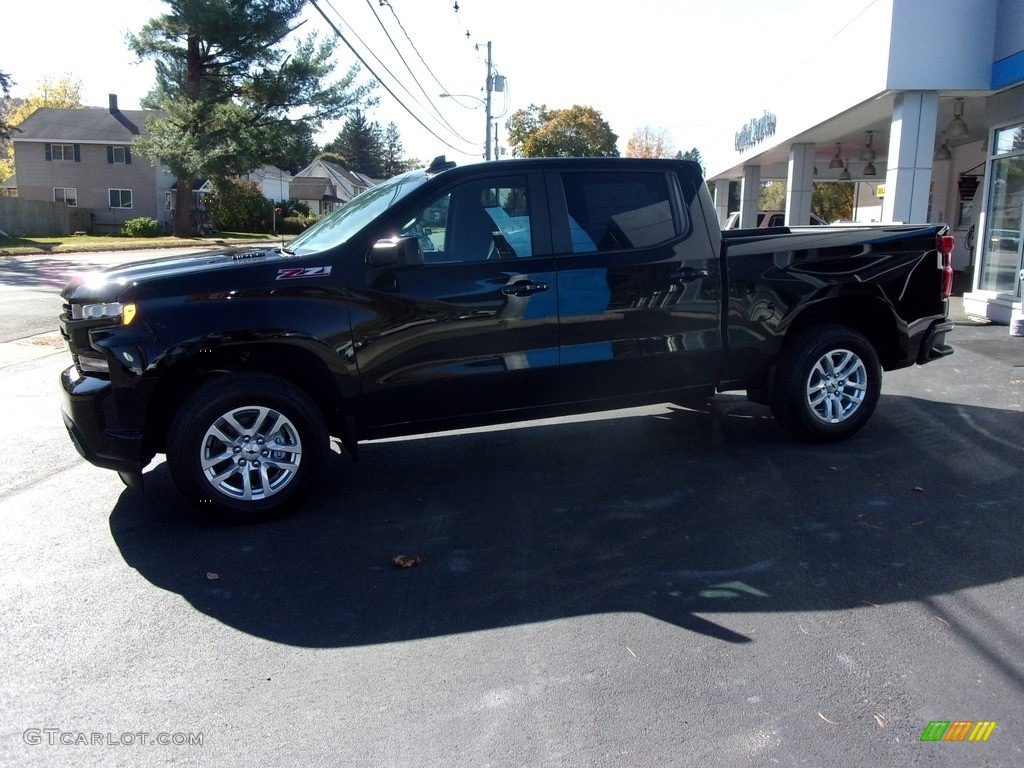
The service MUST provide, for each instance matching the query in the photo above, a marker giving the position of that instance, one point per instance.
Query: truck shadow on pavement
(674, 513)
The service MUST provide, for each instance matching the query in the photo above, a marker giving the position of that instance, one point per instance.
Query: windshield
(338, 227)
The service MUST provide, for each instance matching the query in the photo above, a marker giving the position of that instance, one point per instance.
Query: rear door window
(613, 211)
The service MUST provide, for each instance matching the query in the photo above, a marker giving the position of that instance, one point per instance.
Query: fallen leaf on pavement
(407, 561)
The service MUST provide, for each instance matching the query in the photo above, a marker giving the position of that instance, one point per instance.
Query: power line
(412, 74)
(384, 85)
(398, 81)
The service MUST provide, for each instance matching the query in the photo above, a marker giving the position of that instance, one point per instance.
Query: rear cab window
(619, 210)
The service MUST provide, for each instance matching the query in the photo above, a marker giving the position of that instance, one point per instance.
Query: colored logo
(294, 273)
(959, 730)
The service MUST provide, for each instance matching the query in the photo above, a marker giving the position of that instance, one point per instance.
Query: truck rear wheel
(245, 445)
(827, 383)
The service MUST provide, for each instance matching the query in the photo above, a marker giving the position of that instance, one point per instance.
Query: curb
(31, 348)
(69, 248)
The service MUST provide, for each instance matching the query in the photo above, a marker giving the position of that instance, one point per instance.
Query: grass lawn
(18, 246)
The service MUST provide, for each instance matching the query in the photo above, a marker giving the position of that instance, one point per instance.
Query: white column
(911, 146)
(799, 185)
(722, 200)
(750, 195)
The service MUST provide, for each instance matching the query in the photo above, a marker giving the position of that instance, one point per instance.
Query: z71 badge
(292, 273)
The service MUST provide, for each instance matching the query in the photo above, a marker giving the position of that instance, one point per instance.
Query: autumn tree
(832, 200)
(63, 93)
(574, 132)
(5, 126)
(773, 196)
(650, 142)
(230, 94)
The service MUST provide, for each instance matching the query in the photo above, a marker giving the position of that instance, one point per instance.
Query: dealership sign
(756, 131)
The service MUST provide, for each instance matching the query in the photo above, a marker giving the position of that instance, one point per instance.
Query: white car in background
(769, 219)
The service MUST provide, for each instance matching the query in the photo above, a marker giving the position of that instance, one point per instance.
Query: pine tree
(361, 143)
(230, 96)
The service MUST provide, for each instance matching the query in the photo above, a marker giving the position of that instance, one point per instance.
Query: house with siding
(84, 158)
(273, 182)
(341, 185)
(317, 192)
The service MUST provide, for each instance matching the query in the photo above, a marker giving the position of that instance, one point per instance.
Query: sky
(692, 68)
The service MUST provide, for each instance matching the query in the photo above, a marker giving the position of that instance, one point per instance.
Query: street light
(457, 96)
(488, 87)
(480, 102)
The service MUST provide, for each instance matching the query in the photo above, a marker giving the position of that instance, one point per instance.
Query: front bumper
(90, 415)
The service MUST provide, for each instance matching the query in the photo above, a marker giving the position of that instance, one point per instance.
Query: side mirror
(396, 252)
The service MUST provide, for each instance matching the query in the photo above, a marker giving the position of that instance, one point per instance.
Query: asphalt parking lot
(658, 586)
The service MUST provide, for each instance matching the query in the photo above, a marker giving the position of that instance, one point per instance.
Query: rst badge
(293, 273)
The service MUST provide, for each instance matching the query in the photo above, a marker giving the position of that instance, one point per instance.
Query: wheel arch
(300, 364)
(872, 317)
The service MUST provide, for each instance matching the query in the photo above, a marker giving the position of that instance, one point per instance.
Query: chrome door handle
(524, 288)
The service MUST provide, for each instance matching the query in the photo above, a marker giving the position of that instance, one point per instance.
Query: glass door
(1000, 262)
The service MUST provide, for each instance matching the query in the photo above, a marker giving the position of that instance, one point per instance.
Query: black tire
(245, 445)
(827, 383)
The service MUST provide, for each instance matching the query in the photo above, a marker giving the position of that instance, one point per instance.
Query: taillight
(944, 245)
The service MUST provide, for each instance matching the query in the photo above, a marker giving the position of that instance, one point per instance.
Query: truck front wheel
(244, 445)
(827, 383)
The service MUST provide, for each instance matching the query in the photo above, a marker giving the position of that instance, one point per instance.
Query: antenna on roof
(439, 164)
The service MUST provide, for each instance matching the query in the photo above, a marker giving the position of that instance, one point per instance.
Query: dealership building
(920, 104)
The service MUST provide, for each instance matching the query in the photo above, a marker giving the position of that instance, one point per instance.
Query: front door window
(481, 220)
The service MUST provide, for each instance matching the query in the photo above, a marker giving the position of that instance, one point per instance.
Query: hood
(177, 271)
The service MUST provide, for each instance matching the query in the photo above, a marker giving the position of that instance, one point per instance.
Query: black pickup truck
(492, 292)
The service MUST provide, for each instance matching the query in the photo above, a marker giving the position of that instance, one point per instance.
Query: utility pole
(487, 103)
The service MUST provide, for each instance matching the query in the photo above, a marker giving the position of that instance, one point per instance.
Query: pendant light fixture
(837, 161)
(845, 175)
(957, 128)
(943, 153)
(867, 155)
(870, 170)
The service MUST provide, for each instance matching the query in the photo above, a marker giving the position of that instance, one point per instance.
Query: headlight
(114, 310)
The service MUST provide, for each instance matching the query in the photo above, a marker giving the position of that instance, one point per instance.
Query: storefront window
(1001, 248)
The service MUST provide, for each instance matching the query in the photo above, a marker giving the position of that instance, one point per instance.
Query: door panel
(639, 292)
(474, 328)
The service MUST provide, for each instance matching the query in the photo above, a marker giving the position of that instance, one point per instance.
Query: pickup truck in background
(769, 219)
(494, 292)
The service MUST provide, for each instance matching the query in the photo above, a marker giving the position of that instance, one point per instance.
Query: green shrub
(141, 227)
(239, 206)
(291, 225)
(297, 207)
